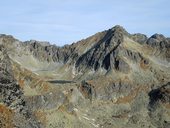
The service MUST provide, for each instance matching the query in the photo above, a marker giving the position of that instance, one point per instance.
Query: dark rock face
(88, 90)
(11, 94)
(158, 97)
(161, 94)
(105, 53)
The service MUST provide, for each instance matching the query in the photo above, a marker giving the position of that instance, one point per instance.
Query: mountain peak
(119, 29)
(158, 36)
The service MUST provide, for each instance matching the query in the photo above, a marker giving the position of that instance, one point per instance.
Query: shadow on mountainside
(61, 81)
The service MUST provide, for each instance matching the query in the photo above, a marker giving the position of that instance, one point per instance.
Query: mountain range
(112, 79)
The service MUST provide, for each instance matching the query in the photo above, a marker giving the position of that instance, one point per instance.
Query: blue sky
(66, 21)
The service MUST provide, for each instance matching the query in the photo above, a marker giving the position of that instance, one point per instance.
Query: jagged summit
(119, 29)
(158, 36)
(4, 35)
(43, 43)
(7, 38)
(99, 55)
(158, 40)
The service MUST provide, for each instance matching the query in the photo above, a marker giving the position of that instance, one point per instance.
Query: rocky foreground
(112, 79)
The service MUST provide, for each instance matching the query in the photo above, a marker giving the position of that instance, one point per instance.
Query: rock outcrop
(158, 106)
(12, 98)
